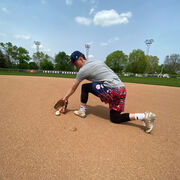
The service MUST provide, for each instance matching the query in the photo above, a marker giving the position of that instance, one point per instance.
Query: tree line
(138, 62)
(15, 57)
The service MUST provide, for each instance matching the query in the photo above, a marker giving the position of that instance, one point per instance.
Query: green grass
(37, 74)
(141, 80)
(152, 80)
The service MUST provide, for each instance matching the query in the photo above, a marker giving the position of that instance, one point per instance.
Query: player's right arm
(72, 89)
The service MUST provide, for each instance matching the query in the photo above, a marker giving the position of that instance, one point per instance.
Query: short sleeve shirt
(99, 72)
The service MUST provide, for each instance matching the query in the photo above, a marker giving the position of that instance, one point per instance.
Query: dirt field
(37, 145)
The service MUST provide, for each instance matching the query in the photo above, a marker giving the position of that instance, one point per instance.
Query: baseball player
(106, 85)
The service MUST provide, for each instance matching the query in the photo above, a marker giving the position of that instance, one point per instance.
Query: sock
(139, 116)
(82, 108)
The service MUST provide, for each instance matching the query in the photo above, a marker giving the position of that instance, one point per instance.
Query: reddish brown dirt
(36, 145)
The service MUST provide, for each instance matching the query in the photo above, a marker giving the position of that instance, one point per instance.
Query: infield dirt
(35, 144)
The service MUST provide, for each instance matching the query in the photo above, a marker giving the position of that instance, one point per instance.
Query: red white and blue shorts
(115, 97)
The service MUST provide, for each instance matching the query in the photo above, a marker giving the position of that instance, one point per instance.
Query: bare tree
(172, 63)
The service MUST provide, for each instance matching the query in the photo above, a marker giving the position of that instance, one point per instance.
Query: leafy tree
(15, 57)
(3, 60)
(46, 64)
(33, 65)
(62, 62)
(23, 58)
(38, 57)
(23, 65)
(137, 62)
(10, 52)
(153, 62)
(22, 55)
(172, 63)
(116, 61)
(160, 68)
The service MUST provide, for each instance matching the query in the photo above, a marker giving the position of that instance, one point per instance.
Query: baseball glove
(61, 106)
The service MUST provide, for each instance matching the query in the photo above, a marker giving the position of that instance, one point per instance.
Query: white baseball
(57, 113)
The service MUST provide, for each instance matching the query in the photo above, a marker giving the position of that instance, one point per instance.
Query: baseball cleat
(149, 121)
(80, 113)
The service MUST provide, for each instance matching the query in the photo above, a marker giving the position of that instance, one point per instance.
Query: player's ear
(81, 58)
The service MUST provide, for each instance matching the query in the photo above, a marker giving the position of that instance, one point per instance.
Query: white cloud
(83, 20)
(91, 1)
(105, 18)
(43, 2)
(112, 40)
(91, 11)
(90, 43)
(5, 10)
(90, 56)
(116, 38)
(110, 18)
(103, 44)
(69, 2)
(22, 36)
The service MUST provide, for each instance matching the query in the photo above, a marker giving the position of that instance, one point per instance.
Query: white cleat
(149, 121)
(80, 113)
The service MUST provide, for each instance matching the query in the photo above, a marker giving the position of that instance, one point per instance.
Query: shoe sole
(80, 115)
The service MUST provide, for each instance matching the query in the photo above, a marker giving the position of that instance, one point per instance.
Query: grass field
(152, 80)
(141, 80)
(37, 74)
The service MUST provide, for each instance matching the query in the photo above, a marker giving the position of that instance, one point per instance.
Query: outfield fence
(37, 71)
(73, 72)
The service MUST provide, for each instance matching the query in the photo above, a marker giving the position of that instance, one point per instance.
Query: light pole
(37, 43)
(87, 46)
(148, 44)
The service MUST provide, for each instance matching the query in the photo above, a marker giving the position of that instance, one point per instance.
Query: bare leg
(132, 117)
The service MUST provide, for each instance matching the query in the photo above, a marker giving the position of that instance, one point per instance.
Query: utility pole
(87, 46)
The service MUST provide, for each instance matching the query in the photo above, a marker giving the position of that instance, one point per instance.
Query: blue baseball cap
(75, 56)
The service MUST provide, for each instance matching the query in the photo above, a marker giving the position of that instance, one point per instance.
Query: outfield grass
(152, 80)
(141, 80)
(38, 74)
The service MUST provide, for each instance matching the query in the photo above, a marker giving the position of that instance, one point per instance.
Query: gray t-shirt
(99, 72)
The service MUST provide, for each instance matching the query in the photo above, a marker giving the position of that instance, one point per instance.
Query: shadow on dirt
(99, 111)
(103, 112)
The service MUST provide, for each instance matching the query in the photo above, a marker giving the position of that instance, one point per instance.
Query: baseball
(57, 113)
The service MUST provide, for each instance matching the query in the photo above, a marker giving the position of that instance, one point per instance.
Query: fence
(37, 71)
(70, 72)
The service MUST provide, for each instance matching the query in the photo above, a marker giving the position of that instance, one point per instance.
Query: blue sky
(107, 25)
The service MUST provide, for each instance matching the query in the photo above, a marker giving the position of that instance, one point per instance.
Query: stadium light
(87, 46)
(148, 43)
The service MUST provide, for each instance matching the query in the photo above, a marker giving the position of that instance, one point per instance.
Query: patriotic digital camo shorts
(115, 97)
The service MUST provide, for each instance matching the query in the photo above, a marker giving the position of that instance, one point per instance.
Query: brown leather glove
(61, 105)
